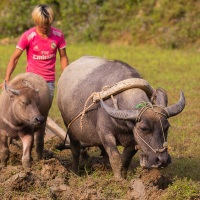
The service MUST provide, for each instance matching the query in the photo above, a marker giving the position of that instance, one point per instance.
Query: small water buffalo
(24, 106)
(139, 121)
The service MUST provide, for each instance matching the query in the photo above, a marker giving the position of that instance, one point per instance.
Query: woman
(41, 44)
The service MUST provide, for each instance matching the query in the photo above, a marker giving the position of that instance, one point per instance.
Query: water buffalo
(139, 122)
(24, 106)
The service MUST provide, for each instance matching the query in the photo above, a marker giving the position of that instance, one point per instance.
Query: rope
(145, 141)
(86, 108)
(163, 108)
(150, 106)
(81, 114)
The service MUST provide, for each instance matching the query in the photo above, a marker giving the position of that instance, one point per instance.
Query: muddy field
(51, 178)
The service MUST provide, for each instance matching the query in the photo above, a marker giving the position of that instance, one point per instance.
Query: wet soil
(51, 178)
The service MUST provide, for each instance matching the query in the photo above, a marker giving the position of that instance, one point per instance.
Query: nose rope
(162, 129)
(150, 106)
(145, 141)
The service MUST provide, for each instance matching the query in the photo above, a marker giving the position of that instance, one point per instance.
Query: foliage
(166, 23)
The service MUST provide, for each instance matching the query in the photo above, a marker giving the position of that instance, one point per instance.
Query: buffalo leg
(27, 142)
(76, 149)
(114, 157)
(105, 156)
(127, 155)
(39, 142)
(4, 151)
(109, 143)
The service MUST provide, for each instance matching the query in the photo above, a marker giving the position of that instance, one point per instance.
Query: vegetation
(166, 23)
(171, 69)
(132, 31)
(183, 189)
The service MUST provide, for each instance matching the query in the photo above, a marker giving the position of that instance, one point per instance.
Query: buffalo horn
(177, 107)
(119, 114)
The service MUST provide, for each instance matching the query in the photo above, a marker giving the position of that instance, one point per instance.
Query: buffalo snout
(39, 120)
(163, 160)
(155, 161)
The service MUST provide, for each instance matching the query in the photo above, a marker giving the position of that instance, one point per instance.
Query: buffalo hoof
(26, 164)
(118, 178)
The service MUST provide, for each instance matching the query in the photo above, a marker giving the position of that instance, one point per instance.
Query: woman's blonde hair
(43, 14)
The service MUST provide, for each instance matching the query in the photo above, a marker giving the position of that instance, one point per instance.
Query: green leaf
(141, 105)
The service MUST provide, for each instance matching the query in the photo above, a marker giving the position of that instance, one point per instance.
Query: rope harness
(117, 88)
(144, 109)
(85, 108)
(147, 106)
(109, 91)
(81, 114)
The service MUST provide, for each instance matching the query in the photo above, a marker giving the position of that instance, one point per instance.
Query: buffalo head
(150, 127)
(24, 105)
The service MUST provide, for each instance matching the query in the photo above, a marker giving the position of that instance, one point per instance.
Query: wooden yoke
(122, 86)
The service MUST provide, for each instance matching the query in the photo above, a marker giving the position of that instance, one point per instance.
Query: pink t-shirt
(41, 52)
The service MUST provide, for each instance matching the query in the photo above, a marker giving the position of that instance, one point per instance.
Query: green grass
(173, 70)
(183, 189)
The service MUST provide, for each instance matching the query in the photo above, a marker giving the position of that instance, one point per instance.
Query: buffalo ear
(11, 92)
(159, 97)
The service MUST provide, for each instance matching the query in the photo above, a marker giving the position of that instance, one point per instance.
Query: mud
(149, 185)
(51, 178)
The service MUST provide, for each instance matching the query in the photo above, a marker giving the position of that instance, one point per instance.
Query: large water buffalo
(137, 121)
(24, 106)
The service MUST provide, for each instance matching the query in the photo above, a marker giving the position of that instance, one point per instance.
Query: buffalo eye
(145, 129)
(25, 103)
